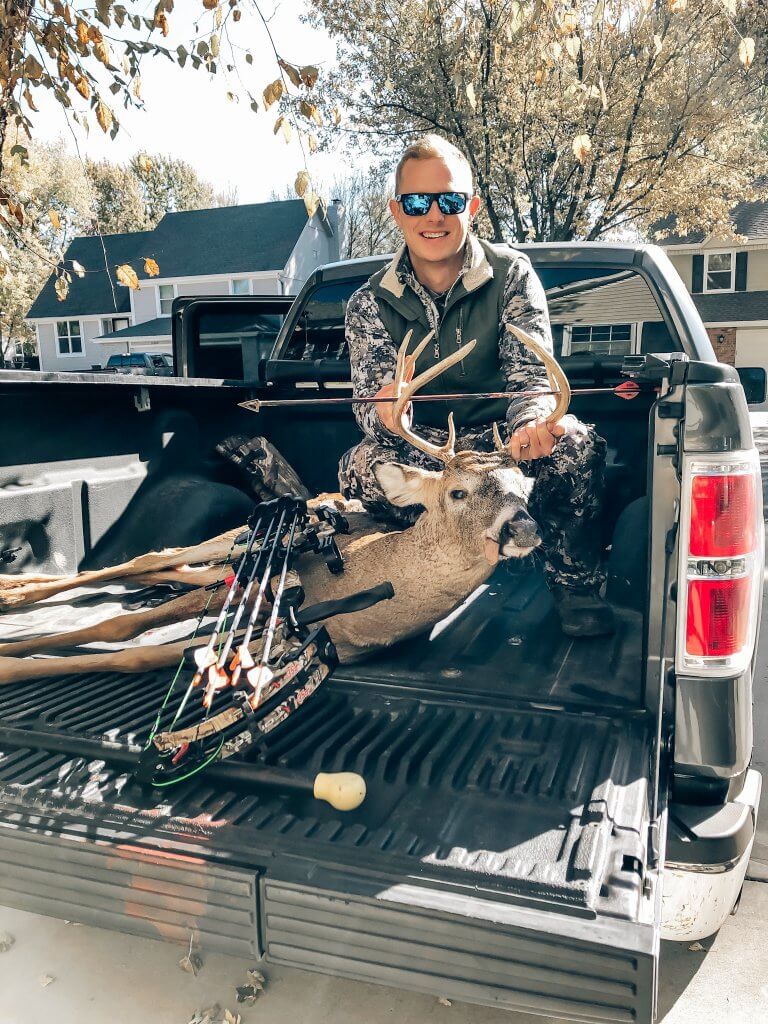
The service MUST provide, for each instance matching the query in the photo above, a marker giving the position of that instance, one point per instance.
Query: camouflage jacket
(373, 352)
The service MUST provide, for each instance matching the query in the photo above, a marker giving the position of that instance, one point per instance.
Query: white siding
(757, 271)
(94, 353)
(144, 302)
(313, 248)
(684, 266)
(752, 350)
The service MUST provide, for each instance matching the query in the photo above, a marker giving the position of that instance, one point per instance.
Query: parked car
(141, 364)
(540, 810)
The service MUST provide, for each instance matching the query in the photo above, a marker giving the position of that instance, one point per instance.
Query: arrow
(628, 390)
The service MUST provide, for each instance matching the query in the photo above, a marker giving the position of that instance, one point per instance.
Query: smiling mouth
(432, 236)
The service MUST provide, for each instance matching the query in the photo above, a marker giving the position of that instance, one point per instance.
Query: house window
(166, 293)
(69, 337)
(719, 270)
(241, 286)
(607, 339)
(114, 323)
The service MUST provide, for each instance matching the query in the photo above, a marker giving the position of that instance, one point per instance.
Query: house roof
(194, 243)
(749, 219)
(160, 327)
(732, 306)
(97, 292)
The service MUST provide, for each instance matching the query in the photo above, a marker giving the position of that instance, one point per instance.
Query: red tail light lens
(722, 515)
(717, 624)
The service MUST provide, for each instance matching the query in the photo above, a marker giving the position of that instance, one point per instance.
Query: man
(444, 279)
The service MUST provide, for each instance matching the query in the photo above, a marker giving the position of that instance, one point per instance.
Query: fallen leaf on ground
(256, 978)
(208, 1016)
(443, 1001)
(232, 1018)
(696, 947)
(45, 980)
(6, 941)
(191, 964)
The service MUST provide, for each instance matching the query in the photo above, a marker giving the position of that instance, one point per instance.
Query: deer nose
(521, 530)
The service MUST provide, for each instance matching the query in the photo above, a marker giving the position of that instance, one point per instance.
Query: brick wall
(725, 350)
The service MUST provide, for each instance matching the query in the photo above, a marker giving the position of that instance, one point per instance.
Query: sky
(187, 113)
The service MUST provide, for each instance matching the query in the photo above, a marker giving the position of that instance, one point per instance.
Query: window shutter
(741, 271)
(697, 279)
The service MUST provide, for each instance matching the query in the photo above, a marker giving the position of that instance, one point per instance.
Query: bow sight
(270, 668)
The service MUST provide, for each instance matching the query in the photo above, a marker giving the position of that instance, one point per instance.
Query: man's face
(436, 237)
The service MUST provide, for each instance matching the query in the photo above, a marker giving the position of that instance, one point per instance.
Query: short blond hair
(431, 147)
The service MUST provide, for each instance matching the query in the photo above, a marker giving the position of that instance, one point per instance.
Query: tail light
(721, 564)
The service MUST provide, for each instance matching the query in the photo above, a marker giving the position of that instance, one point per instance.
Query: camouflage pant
(565, 500)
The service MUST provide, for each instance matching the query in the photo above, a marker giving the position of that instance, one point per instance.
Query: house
(729, 284)
(258, 249)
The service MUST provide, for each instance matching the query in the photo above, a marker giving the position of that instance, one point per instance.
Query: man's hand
(535, 440)
(386, 409)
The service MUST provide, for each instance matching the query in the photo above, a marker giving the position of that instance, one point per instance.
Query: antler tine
(406, 390)
(498, 444)
(555, 373)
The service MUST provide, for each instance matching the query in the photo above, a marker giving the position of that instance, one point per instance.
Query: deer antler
(405, 390)
(555, 373)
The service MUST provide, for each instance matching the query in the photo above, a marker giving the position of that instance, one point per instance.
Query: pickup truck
(541, 811)
(141, 364)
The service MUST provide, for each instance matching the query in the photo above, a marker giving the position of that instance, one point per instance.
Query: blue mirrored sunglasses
(417, 204)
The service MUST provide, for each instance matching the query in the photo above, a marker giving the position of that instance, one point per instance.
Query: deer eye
(458, 495)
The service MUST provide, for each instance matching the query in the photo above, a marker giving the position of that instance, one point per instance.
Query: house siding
(757, 271)
(95, 353)
(684, 266)
(314, 248)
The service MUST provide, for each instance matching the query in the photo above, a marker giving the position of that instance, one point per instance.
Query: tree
(580, 118)
(58, 204)
(168, 185)
(87, 56)
(118, 199)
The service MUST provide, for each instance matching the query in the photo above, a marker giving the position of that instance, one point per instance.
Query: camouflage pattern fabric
(565, 500)
(263, 468)
(567, 495)
(373, 353)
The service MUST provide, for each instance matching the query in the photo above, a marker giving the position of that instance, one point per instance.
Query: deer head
(478, 500)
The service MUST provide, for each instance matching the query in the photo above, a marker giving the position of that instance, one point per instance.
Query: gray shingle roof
(750, 219)
(195, 243)
(93, 294)
(732, 306)
(160, 327)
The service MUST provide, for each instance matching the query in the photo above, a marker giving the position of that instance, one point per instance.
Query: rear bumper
(708, 850)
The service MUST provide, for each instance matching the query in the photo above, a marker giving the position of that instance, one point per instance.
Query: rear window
(319, 332)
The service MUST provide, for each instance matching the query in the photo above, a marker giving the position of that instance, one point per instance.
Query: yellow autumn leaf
(82, 32)
(538, 78)
(470, 90)
(311, 202)
(747, 51)
(94, 34)
(102, 52)
(302, 183)
(310, 111)
(78, 268)
(126, 275)
(677, 5)
(62, 289)
(237, 14)
(582, 147)
(569, 23)
(312, 143)
(214, 45)
(309, 75)
(83, 87)
(104, 116)
(291, 71)
(55, 219)
(657, 45)
(272, 93)
(136, 87)
(151, 268)
(336, 116)
(209, 5)
(30, 102)
(218, 17)
(572, 46)
(145, 164)
(161, 22)
(283, 128)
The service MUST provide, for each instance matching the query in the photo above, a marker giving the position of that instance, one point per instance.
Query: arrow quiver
(254, 674)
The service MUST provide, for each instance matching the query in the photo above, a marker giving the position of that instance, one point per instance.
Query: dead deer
(475, 513)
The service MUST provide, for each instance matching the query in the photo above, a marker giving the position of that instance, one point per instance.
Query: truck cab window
(319, 332)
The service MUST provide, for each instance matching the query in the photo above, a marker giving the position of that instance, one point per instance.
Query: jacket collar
(475, 271)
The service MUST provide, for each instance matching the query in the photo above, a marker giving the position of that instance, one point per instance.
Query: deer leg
(15, 592)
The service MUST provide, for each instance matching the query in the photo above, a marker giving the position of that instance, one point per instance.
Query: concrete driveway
(101, 976)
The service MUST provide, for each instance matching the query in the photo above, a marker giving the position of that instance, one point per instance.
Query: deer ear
(405, 485)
